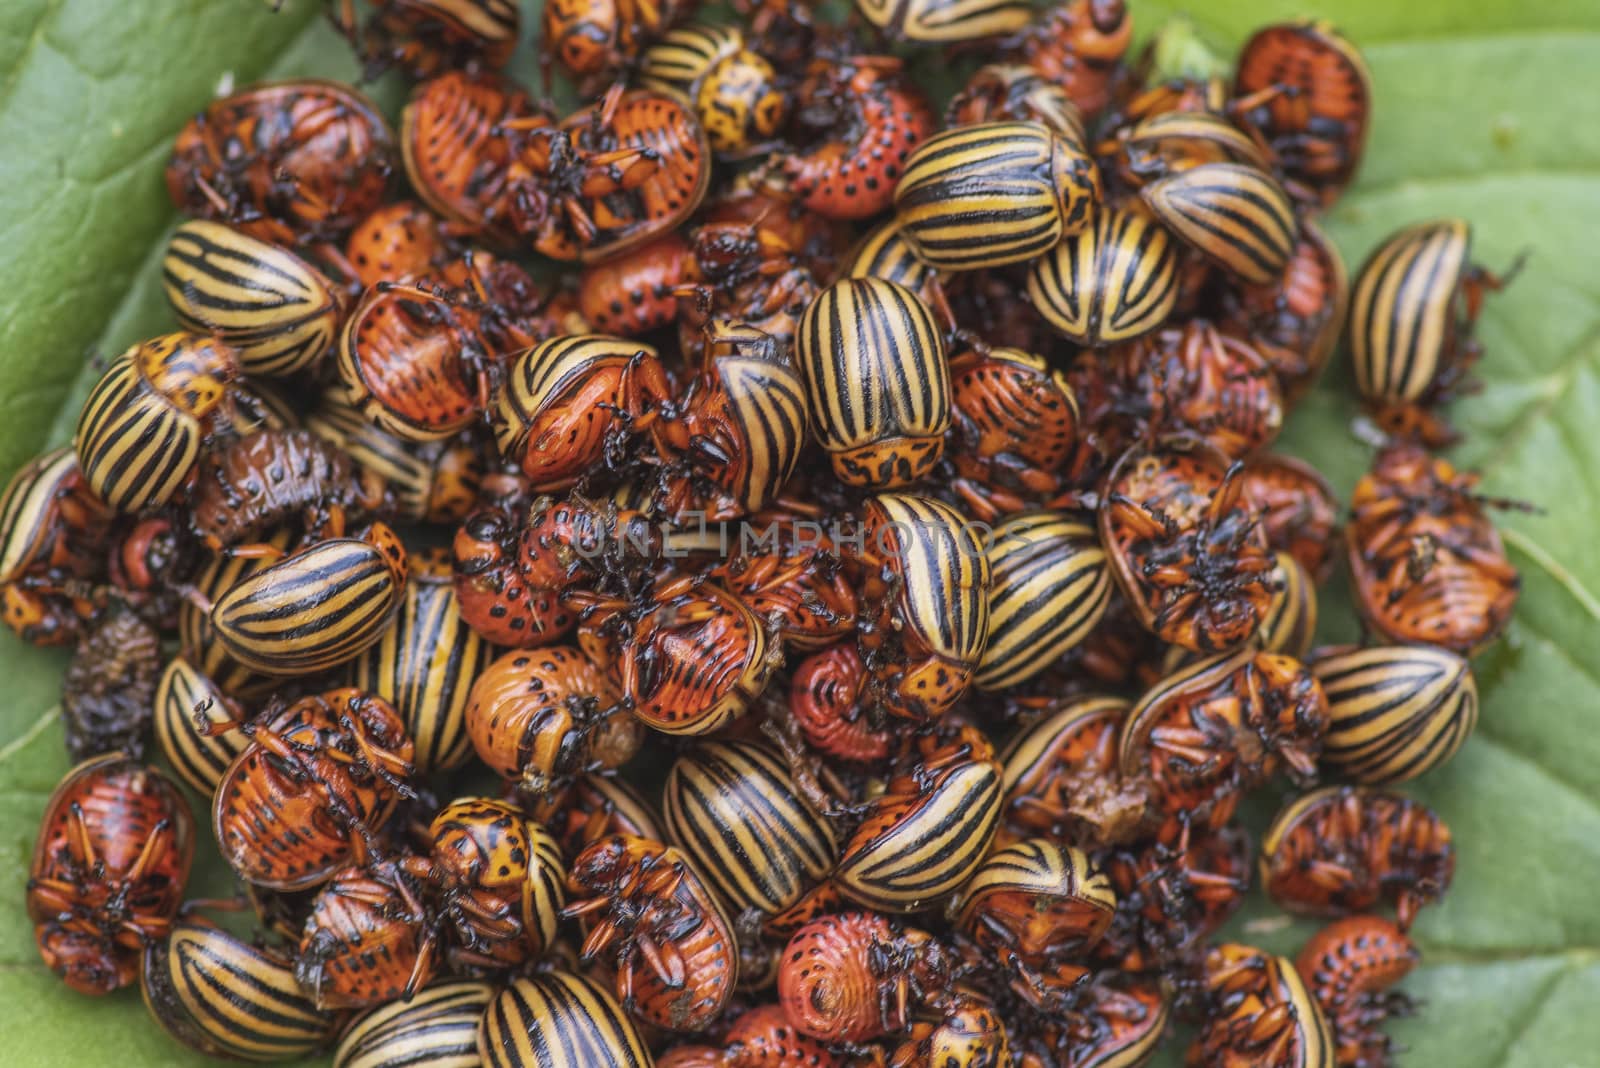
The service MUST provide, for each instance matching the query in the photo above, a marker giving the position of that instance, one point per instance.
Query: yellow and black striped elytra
(1042, 898)
(760, 397)
(1049, 584)
(886, 253)
(943, 600)
(945, 21)
(1237, 216)
(1290, 623)
(1113, 282)
(316, 608)
(279, 313)
(1403, 310)
(437, 1028)
(425, 662)
(684, 55)
(141, 428)
(44, 494)
(199, 760)
(921, 843)
(994, 193)
(559, 1020)
(733, 808)
(1173, 140)
(877, 381)
(197, 638)
(1395, 711)
(227, 998)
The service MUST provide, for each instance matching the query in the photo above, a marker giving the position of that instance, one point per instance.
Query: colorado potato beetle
(197, 636)
(316, 608)
(1412, 311)
(276, 311)
(1113, 281)
(1078, 45)
(311, 789)
(543, 715)
(199, 758)
(922, 839)
(650, 910)
(877, 381)
(368, 940)
(860, 118)
(1290, 623)
(437, 1028)
(1012, 92)
(142, 426)
(855, 976)
(924, 586)
(944, 21)
(220, 995)
(1060, 776)
(994, 193)
(399, 242)
(1342, 849)
(735, 90)
(1349, 966)
(1049, 585)
(425, 663)
(1306, 89)
(1174, 892)
(108, 871)
(1262, 1014)
(1039, 901)
(609, 177)
(1295, 322)
(1395, 711)
(593, 38)
(594, 807)
(759, 1038)
(1015, 427)
(886, 253)
(1235, 215)
(1191, 560)
(555, 1019)
(1426, 563)
(51, 523)
(284, 161)
(734, 809)
(780, 571)
(425, 38)
(1296, 508)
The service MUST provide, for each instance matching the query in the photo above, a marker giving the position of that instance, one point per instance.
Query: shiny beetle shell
(885, 253)
(367, 940)
(1060, 776)
(558, 407)
(227, 998)
(733, 807)
(316, 608)
(275, 310)
(994, 193)
(1296, 321)
(1016, 93)
(197, 637)
(1237, 216)
(735, 90)
(877, 381)
(931, 626)
(108, 870)
(1405, 313)
(1290, 623)
(199, 759)
(1038, 899)
(425, 663)
(559, 1020)
(944, 21)
(923, 839)
(1264, 1016)
(142, 426)
(1049, 585)
(50, 520)
(1396, 711)
(438, 1028)
(1112, 282)
(427, 37)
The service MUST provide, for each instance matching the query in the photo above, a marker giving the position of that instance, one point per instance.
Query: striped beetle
(1112, 282)
(1395, 711)
(559, 1019)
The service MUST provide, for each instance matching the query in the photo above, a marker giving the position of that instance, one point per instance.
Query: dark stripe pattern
(1235, 215)
(877, 380)
(885, 253)
(734, 809)
(1396, 711)
(931, 847)
(29, 509)
(1402, 310)
(1290, 623)
(1112, 282)
(311, 611)
(1049, 584)
(225, 996)
(538, 377)
(135, 448)
(559, 1020)
(278, 312)
(766, 400)
(945, 21)
(199, 760)
(424, 665)
(1048, 872)
(438, 1028)
(982, 196)
(683, 56)
(944, 600)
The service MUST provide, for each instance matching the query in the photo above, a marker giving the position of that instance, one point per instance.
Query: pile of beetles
(888, 490)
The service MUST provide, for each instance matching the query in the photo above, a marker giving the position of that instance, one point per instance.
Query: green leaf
(1475, 116)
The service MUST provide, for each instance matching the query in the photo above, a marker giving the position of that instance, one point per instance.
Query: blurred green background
(1489, 109)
